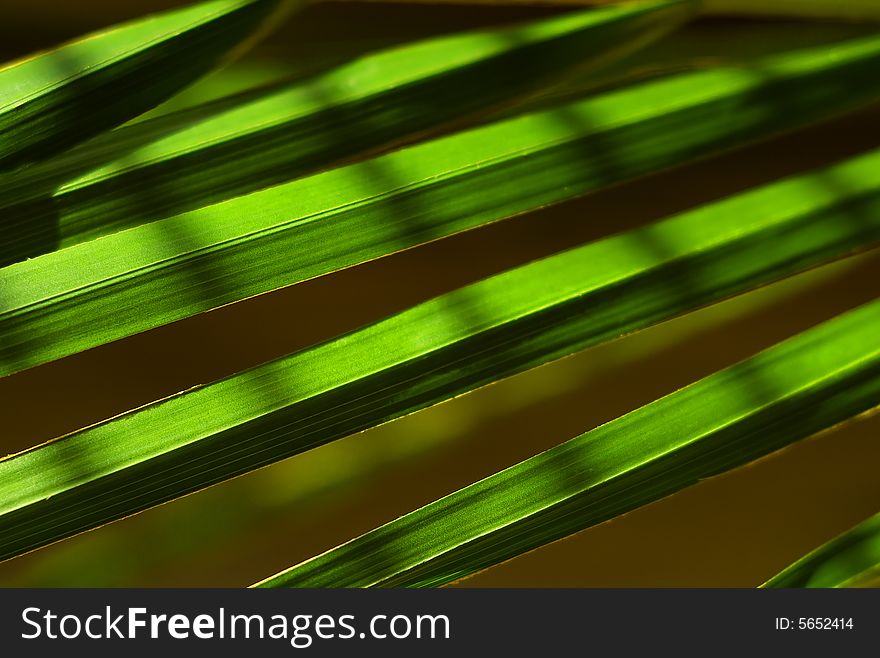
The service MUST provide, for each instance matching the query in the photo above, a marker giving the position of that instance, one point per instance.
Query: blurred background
(733, 530)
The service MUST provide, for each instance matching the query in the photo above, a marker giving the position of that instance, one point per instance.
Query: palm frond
(799, 387)
(435, 351)
(68, 301)
(850, 560)
(63, 97)
(237, 145)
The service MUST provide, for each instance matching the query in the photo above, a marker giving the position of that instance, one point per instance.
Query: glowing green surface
(437, 350)
(106, 289)
(55, 100)
(191, 159)
(808, 383)
(850, 560)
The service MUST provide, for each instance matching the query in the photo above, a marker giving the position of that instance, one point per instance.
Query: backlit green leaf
(850, 560)
(188, 160)
(445, 347)
(95, 292)
(57, 99)
(786, 393)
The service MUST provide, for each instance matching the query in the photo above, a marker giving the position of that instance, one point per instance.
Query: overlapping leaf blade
(55, 100)
(95, 292)
(435, 351)
(786, 393)
(850, 560)
(191, 159)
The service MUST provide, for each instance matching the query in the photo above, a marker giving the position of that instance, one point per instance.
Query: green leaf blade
(55, 100)
(786, 393)
(850, 560)
(435, 351)
(191, 159)
(78, 298)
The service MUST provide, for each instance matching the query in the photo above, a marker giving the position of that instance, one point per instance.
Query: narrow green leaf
(850, 560)
(435, 351)
(786, 393)
(185, 161)
(55, 100)
(99, 291)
